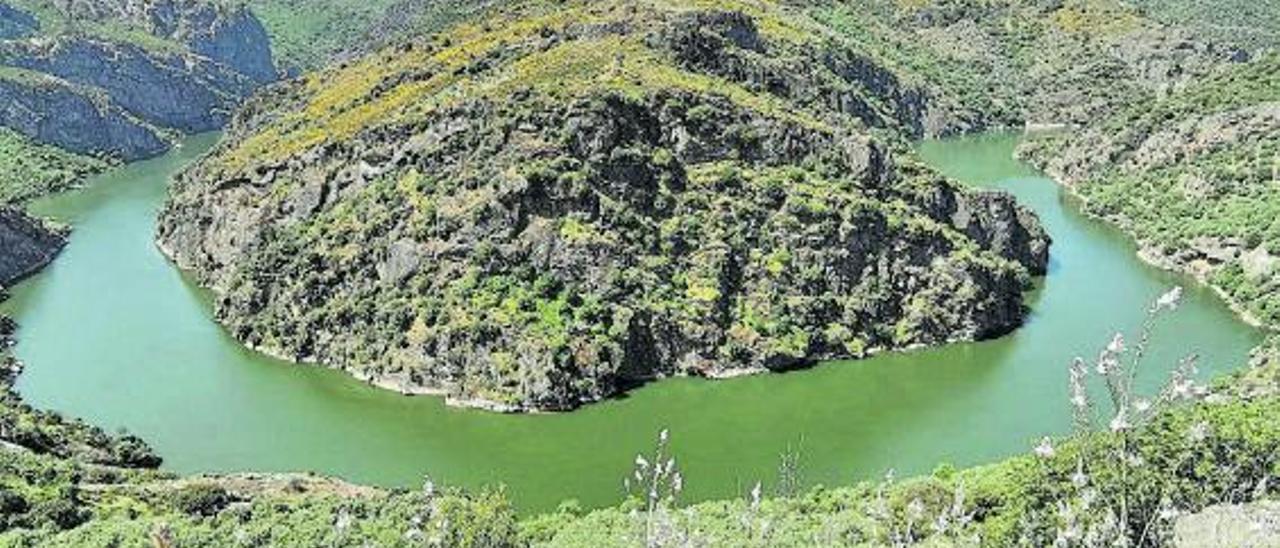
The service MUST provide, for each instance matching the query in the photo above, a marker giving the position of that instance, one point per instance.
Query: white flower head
(1107, 363)
(1045, 449)
(1078, 478)
(915, 509)
(1199, 432)
(1134, 460)
(641, 462)
(663, 435)
(1116, 346)
(1120, 421)
(1088, 497)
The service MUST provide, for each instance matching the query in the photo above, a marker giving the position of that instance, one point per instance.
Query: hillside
(1035, 63)
(1193, 178)
(543, 209)
(116, 81)
(1252, 24)
(306, 35)
(556, 200)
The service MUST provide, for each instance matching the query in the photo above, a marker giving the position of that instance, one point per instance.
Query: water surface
(112, 333)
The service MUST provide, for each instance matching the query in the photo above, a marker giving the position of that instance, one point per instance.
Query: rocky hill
(1058, 63)
(114, 79)
(547, 207)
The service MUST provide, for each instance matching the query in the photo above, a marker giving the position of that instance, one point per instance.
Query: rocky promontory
(26, 245)
(551, 208)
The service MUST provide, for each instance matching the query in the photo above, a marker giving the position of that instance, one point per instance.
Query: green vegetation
(28, 170)
(1067, 62)
(593, 194)
(503, 55)
(307, 34)
(1131, 483)
(706, 242)
(1248, 23)
(1194, 178)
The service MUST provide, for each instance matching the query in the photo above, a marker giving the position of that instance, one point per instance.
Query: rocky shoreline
(1154, 256)
(26, 244)
(1192, 141)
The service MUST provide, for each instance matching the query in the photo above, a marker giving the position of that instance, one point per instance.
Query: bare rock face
(52, 111)
(225, 33)
(1230, 525)
(26, 245)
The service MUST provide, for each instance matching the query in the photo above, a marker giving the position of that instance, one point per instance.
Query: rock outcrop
(549, 218)
(180, 65)
(225, 33)
(15, 23)
(1229, 525)
(26, 245)
(53, 111)
(185, 92)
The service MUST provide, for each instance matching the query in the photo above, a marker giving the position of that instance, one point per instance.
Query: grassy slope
(1249, 23)
(28, 169)
(307, 34)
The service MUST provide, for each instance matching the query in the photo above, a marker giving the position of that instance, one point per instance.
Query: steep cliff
(223, 32)
(111, 73)
(27, 245)
(83, 120)
(543, 209)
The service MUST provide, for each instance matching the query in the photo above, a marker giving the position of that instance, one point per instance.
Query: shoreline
(1146, 252)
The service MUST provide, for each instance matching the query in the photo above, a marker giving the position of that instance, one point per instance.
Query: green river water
(114, 334)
